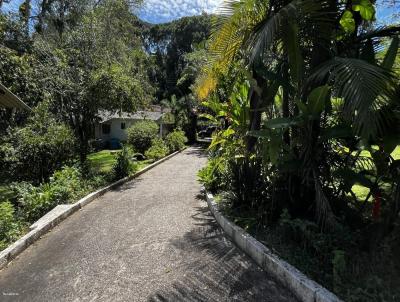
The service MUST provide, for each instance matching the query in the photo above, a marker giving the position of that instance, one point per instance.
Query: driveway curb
(60, 212)
(305, 289)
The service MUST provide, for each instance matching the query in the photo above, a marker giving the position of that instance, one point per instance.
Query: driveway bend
(152, 239)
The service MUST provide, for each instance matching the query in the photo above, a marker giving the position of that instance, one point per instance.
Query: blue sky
(161, 11)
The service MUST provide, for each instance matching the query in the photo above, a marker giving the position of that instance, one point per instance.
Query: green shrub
(157, 150)
(10, 228)
(176, 140)
(123, 166)
(141, 135)
(6, 218)
(65, 186)
(212, 175)
(35, 201)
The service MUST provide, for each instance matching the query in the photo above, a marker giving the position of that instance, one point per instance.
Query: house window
(106, 128)
(123, 126)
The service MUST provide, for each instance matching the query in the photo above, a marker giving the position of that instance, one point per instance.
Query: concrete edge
(305, 289)
(60, 212)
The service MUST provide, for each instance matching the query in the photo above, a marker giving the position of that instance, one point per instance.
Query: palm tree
(308, 52)
(176, 106)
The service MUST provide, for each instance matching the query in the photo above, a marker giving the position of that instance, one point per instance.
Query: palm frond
(364, 163)
(365, 88)
(379, 32)
(266, 32)
(231, 26)
(236, 22)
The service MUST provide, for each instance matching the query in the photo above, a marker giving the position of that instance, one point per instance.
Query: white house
(115, 125)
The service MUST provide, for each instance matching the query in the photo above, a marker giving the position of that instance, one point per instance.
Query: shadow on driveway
(217, 270)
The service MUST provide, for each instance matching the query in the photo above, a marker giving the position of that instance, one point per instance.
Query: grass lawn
(103, 161)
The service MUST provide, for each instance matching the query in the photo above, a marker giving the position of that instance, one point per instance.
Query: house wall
(116, 131)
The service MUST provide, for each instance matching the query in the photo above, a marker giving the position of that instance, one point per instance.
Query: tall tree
(97, 64)
(170, 43)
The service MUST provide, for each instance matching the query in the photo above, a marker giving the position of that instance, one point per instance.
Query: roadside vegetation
(23, 201)
(305, 95)
(69, 61)
(301, 98)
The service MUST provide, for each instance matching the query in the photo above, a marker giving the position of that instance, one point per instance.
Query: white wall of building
(116, 130)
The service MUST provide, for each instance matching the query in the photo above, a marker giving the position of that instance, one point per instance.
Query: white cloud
(159, 11)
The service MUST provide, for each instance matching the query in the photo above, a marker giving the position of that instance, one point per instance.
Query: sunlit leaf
(347, 22)
(366, 9)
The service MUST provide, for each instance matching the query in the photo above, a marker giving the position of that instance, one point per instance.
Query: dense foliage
(64, 186)
(175, 140)
(178, 56)
(9, 225)
(83, 56)
(305, 94)
(141, 134)
(35, 151)
(157, 150)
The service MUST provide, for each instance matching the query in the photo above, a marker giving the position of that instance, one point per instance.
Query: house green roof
(10, 100)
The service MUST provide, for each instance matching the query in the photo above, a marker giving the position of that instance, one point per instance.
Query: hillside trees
(170, 44)
(85, 56)
(178, 54)
(97, 65)
(35, 151)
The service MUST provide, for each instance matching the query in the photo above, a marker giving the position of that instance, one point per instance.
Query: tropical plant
(123, 166)
(212, 176)
(322, 110)
(294, 78)
(10, 227)
(64, 186)
(6, 218)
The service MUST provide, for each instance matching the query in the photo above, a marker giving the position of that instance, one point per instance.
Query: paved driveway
(152, 239)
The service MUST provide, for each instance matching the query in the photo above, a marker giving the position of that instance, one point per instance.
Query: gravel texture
(152, 239)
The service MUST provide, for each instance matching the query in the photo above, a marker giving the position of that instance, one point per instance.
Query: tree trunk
(44, 8)
(286, 104)
(256, 100)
